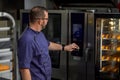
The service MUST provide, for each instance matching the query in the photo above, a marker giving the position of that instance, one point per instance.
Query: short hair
(37, 12)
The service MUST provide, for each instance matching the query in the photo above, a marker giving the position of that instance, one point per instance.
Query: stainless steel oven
(97, 34)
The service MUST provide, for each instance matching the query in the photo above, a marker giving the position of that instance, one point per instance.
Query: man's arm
(25, 74)
(56, 46)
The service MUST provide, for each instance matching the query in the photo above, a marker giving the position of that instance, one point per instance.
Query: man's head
(37, 14)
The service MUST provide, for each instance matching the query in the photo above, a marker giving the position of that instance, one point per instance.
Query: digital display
(77, 37)
(77, 32)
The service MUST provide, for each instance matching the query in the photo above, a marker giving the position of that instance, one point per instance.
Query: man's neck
(35, 27)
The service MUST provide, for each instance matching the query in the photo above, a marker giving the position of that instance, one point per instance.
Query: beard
(43, 27)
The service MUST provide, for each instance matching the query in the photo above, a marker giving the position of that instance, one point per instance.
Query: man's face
(45, 20)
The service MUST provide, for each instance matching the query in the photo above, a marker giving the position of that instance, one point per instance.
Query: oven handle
(87, 51)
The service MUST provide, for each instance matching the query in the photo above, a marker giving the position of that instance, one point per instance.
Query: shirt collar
(36, 32)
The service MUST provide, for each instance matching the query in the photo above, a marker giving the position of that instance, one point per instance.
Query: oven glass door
(108, 46)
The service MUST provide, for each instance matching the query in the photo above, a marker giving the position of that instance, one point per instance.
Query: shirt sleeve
(25, 53)
(48, 42)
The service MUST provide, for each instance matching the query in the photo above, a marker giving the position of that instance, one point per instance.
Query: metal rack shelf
(4, 28)
(6, 53)
(4, 39)
(5, 61)
(8, 45)
(4, 50)
(109, 47)
(6, 71)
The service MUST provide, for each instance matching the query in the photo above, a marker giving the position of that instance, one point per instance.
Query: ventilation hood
(85, 3)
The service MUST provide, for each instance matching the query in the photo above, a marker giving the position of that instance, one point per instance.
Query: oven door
(81, 65)
(56, 31)
(107, 46)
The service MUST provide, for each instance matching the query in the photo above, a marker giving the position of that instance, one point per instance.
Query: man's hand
(71, 47)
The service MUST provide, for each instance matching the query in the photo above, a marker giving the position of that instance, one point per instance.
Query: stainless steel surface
(6, 53)
(4, 14)
(4, 50)
(7, 47)
(90, 64)
(60, 72)
(4, 28)
(4, 61)
(4, 39)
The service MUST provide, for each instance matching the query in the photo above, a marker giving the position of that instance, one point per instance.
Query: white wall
(28, 4)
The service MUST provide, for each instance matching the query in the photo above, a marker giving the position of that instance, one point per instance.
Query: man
(33, 48)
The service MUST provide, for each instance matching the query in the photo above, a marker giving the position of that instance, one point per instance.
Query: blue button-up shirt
(33, 54)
